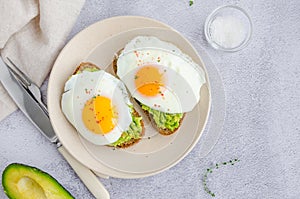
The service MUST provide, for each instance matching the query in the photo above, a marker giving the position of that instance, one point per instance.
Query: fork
(28, 84)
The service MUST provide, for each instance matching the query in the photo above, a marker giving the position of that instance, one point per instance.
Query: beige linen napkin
(31, 33)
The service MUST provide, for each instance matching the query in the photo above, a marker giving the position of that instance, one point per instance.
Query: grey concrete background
(262, 127)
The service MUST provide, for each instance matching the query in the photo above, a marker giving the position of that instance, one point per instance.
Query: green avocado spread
(163, 120)
(94, 69)
(134, 131)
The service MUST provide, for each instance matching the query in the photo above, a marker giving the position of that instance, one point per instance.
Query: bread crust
(115, 66)
(82, 66)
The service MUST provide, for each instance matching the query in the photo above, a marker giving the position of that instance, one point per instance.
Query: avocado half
(25, 182)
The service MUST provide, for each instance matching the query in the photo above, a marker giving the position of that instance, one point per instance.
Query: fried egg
(97, 105)
(159, 75)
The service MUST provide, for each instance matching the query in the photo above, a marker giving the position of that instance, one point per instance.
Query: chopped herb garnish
(191, 2)
(210, 170)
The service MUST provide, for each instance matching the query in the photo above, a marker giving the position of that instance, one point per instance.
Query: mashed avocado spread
(94, 69)
(163, 120)
(134, 131)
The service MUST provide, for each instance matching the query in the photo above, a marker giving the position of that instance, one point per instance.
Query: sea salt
(227, 31)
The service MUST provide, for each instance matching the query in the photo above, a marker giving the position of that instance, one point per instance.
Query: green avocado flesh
(164, 120)
(24, 182)
(134, 131)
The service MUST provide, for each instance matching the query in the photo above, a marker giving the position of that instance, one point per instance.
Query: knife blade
(26, 103)
(35, 113)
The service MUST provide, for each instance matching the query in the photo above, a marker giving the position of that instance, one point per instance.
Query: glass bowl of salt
(228, 28)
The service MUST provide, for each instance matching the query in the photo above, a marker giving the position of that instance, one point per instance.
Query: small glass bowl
(232, 11)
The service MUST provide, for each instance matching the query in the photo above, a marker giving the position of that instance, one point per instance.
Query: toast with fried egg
(164, 81)
(136, 128)
(155, 116)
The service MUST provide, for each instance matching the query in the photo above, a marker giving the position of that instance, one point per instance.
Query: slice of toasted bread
(85, 65)
(160, 130)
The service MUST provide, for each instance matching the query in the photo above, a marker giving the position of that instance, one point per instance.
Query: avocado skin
(15, 171)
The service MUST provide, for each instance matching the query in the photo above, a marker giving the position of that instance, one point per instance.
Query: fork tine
(20, 75)
(16, 76)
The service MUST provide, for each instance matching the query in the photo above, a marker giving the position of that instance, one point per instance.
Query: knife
(37, 115)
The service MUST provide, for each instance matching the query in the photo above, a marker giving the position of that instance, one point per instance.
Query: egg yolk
(98, 115)
(148, 81)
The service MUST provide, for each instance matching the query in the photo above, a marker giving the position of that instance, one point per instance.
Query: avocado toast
(136, 128)
(165, 123)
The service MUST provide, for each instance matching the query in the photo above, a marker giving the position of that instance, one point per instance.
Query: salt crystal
(227, 31)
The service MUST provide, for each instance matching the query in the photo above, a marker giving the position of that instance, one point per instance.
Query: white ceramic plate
(141, 164)
(158, 152)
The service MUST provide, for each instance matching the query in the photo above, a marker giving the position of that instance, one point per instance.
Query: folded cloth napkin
(32, 33)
